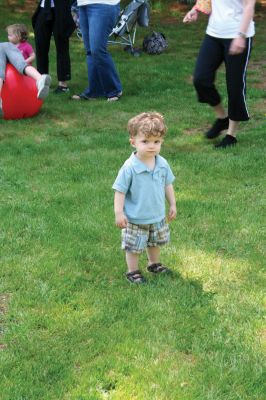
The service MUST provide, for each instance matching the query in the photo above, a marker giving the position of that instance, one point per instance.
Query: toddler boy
(141, 186)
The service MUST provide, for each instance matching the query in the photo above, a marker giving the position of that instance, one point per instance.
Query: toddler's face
(147, 147)
(12, 38)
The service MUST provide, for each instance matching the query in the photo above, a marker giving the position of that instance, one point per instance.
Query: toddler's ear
(132, 141)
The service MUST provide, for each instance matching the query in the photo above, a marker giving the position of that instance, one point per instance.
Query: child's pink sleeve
(29, 49)
(26, 49)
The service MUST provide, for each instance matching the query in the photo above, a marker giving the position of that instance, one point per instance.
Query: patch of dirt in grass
(27, 6)
(259, 67)
(189, 358)
(194, 131)
(173, 13)
(3, 310)
(262, 336)
(3, 303)
(261, 106)
(189, 79)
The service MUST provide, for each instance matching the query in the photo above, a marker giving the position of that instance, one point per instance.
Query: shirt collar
(140, 167)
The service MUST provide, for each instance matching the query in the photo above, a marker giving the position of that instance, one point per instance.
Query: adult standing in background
(228, 39)
(54, 17)
(97, 19)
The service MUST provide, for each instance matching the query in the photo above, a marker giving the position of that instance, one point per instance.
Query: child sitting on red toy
(20, 54)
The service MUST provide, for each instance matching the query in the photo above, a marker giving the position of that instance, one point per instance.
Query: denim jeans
(96, 23)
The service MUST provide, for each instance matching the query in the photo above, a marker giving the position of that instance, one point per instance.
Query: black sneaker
(219, 125)
(227, 141)
(61, 89)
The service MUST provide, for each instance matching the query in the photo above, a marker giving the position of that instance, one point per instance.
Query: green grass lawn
(71, 326)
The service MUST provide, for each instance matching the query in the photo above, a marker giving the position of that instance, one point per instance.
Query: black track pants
(212, 53)
(43, 31)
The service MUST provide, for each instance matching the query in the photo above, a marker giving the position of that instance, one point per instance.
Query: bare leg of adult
(230, 138)
(233, 127)
(62, 83)
(220, 111)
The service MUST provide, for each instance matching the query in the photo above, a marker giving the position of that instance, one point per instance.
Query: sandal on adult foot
(82, 96)
(135, 277)
(61, 89)
(115, 98)
(158, 268)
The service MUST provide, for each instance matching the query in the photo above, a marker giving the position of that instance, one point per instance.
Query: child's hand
(172, 213)
(121, 220)
(191, 16)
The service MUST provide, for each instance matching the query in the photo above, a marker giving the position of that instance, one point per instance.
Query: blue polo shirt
(144, 189)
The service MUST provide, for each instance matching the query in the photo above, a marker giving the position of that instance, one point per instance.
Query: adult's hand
(191, 16)
(237, 46)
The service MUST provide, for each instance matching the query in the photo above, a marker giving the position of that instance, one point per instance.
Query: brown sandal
(158, 268)
(135, 277)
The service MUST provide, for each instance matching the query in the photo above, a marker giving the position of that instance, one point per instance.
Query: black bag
(155, 43)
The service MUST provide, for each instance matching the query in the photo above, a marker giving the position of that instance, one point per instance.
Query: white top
(225, 19)
(108, 2)
(42, 3)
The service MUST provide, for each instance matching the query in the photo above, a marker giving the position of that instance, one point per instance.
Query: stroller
(136, 13)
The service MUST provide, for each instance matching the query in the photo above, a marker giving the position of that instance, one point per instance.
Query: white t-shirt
(108, 2)
(225, 19)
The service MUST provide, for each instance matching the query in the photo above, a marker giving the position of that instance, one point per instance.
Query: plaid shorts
(135, 238)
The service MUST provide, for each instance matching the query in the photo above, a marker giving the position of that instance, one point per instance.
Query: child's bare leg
(132, 260)
(154, 264)
(32, 72)
(43, 82)
(133, 274)
(153, 255)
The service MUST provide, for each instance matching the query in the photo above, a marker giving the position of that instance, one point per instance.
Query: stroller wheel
(128, 49)
(135, 53)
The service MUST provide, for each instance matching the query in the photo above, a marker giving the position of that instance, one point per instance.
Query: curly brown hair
(147, 123)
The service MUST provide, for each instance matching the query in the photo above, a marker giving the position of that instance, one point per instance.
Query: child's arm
(170, 196)
(120, 218)
(31, 58)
